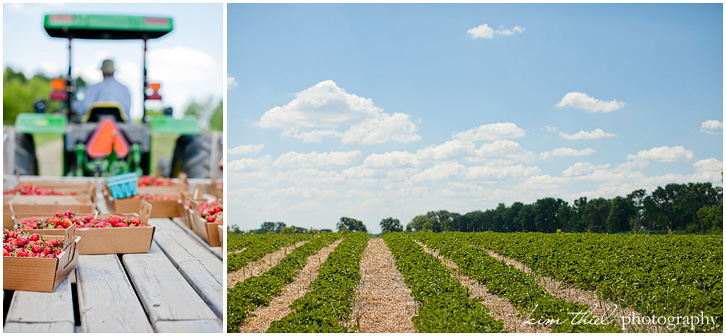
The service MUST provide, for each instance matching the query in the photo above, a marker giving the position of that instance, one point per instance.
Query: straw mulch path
(260, 266)
(500, 307)
(238, 251)
(599, 307)
(384, 303)
(279, 307)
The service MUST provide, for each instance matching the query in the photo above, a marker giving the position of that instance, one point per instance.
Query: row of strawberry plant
(330, 300)
(236, 242)
(444, 303)
(261, 246)
(246, 296)
(668, 275)
(533, 302)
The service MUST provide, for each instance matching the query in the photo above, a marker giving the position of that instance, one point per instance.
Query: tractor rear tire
(192, 155)
(26, 163)
(163, 166)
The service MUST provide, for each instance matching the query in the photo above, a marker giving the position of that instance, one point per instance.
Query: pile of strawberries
(28, 189)
(153, 181)
(63, 220)
(23, 244)
(157, 197)
(212, 212)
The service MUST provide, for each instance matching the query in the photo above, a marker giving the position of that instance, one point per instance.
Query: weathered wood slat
(164, 292)
(102, 285)
(217, 251)
(198, 265)
(25, 316)
(38, 327)
(194, 326)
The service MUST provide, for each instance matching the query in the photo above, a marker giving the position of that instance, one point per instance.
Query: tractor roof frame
(106, 27)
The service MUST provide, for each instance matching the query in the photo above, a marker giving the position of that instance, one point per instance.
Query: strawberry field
(477, 282)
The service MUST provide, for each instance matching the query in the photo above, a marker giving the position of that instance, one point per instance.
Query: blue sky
(380, 110)
(187, 62)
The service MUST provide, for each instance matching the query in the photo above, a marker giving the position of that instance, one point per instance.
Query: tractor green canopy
(115, 27)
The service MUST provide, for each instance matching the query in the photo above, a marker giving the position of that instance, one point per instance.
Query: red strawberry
(37, 249)
(34, 237)
(22, 241)
(53, 242)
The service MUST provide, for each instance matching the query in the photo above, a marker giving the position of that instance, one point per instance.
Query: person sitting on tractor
(106, 94)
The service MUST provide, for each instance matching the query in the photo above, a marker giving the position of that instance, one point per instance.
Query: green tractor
(99, 142)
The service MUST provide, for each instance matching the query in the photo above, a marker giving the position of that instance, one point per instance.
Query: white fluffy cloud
(712, 127)
(708, 165)
(485, 32)
(326, 110)
(246, 149)
(446, 170)
(663, 154)
(561, 151)
(384, 127)
(449, 150)
(315, 159)
(507, 150)
(582, 168)
(231, 82)
(392, 160)
(582, 101)
(489, 132)
(247, 164)
(584, 135)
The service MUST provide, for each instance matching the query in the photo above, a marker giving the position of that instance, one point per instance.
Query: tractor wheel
(26, 162)
(191, 156)
(163, 166)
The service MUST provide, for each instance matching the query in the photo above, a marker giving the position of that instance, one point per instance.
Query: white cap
(107, 67)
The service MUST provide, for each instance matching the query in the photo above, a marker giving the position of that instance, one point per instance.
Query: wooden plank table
(177, 287)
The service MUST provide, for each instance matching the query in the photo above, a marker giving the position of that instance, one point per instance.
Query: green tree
(353, 225)
(417, 223)
(19, 94)
(711, 218)
(391, 224)
(546, 214)
(216, 123)
(622, 213)
(595, 215)
(526, 218)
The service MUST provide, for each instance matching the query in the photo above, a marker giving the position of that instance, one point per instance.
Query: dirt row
(260, 266)
(279, 307)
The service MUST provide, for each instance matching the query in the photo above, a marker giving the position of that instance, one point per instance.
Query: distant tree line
(692, 207)
(279, 227)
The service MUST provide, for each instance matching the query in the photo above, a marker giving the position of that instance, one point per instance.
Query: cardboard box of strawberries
(48, 258)
(102, 233)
